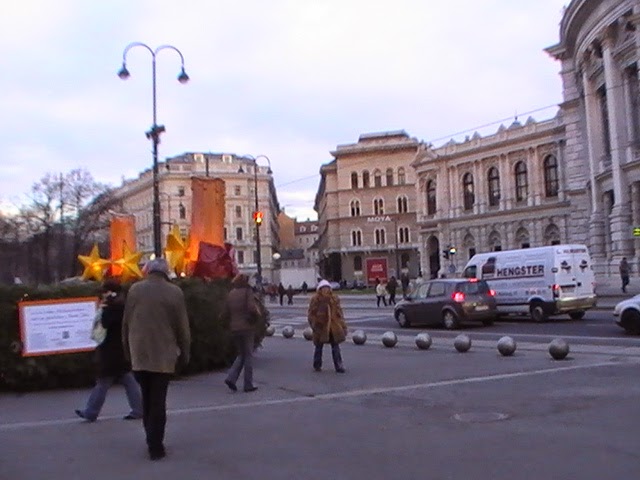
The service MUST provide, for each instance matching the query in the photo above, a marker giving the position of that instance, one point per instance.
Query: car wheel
(402, 319)
(449, 320)
(487, 322)
(578, 315)
(630, 321)
(537, 312)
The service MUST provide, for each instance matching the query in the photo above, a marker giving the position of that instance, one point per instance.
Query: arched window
(493, 177)
(355, 208)
(495, 242)
(182, 211)
(401, 176)
(365, 179)
(380, 236)
(522, 238)
(403, 204)
(551, 185)
(377, 178)
(404, 260)
(389, 177)
(354, 180)
(356, 238)
(469, 197)
(357, 263)
(552, 235)
(431, 197)
(378, 206)
(522, 183)
(403, 235)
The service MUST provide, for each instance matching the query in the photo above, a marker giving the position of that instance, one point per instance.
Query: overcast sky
(290, 79)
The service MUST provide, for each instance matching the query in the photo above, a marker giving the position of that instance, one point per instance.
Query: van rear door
(573, 274)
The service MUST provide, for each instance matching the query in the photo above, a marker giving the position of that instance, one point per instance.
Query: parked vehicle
(447, 302)
(627, 314)
(539, 281)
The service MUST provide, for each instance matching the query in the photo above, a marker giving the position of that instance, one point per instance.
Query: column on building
(507, 190)
(533, 175)
(478, 188)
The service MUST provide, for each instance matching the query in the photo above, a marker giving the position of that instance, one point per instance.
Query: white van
(540, 281)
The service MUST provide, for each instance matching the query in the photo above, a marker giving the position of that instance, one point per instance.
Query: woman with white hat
(327, 322)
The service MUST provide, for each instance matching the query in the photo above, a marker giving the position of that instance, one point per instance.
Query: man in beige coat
(155, 335)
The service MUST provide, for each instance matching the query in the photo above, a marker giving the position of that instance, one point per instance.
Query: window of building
(401, 176)
(239, 233)
(404, 260)
(377, 178)
(237, 190)
(551, 185)
(380, 236)
(378, 206)
(389, 177)
(354, 180)
(356, 238)
(633, 101)
(225, 233)
(403, 204)
(469, 197)
(182, 211)
(181, 191)
(183, 233)
(493, 177)
(255, 257)
(357, 263)
(238, 211)
(240, 255)
(431, 197)
(604, 112)
(365, 179)
(522, 183)
(403, 235)
(355, 208)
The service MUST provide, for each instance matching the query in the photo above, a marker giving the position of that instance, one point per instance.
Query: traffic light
(257, 217)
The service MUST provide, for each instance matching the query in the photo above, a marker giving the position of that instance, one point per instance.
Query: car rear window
(473, 288)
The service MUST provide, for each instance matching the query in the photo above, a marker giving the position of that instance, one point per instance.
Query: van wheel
(449, 320)
(537, 312)
(630, 321)
(578, 315)
(402, 319)
(487, 322)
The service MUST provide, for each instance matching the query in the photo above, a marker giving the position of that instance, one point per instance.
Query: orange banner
(123, 235)
(207, 213)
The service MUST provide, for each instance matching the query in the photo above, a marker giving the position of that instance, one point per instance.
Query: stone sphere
(270, 330)
(307, 333)
(462, 343)
(287, 332)
(389, 339)
(359, 337)
(558, 349)
(423, 341)
(506, 346)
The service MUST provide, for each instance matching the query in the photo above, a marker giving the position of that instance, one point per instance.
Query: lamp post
(156, 130)
(257, 214)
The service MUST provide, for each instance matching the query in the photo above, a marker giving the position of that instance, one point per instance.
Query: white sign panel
(57, 326)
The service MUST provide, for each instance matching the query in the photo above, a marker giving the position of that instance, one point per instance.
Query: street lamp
(257, 214)
(156, 130)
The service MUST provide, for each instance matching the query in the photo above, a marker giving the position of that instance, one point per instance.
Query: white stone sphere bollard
(359, 337)
(558, 349)
(423, 341)
(462, 343)
(270, 330)
(389, 339)
(506, 346)
(307, 333)
(287, 332)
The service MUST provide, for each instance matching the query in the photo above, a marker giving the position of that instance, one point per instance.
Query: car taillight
(458, 297)
(492, 293)
(556, 290)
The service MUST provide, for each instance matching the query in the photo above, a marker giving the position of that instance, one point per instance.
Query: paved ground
(396, 414)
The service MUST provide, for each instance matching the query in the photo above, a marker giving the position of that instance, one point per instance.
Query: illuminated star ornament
(129, 263)
(176, 251)
(94, 266)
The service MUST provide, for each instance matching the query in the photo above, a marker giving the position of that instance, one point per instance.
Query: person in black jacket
(111, 363)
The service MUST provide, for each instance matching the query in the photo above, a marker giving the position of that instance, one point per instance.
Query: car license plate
(482, 307)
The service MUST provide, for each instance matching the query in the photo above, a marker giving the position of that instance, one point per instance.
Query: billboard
(376, 268)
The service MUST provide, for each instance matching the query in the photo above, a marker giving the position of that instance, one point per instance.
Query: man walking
(155, 335)
(624, 273)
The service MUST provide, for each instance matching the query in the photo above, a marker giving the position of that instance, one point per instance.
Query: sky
(289, 79)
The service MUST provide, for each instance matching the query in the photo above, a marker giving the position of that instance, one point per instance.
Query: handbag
(98, 332)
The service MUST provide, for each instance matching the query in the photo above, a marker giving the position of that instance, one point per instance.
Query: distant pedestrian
(290, 293)
(326, 319)
(305, 287)
(112, 366)
(625, 269)
(281, 292)
(392, 286)
(155, 335)
(381, 293)
(243, 309)
(404, 281)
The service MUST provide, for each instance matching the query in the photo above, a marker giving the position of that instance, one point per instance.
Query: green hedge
(210, 348)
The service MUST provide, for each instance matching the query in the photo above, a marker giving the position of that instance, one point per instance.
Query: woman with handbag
(111, 364)
(244, 314)
(327, 322)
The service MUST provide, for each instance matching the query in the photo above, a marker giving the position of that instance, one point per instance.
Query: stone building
(367, 210)
(240, 176)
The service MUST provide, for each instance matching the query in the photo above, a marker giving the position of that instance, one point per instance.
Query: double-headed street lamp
(257, 213)
(156, 130)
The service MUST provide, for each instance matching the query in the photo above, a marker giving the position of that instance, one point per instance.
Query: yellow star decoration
(176, 251)
(129, 264)
(94, 266)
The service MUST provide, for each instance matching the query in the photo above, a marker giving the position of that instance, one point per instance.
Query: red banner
(376, 268)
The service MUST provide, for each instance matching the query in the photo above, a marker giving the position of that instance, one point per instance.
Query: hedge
(211, 347)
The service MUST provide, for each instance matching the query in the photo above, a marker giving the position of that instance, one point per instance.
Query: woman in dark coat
(111, 363)
(327, 322)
